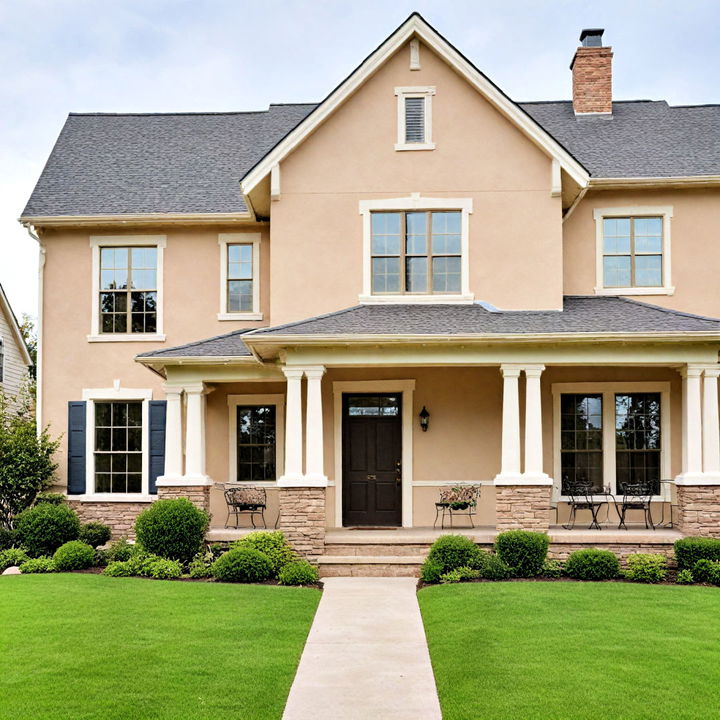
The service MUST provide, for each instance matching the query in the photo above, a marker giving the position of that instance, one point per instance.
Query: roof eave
(622, 183)
(138, 219)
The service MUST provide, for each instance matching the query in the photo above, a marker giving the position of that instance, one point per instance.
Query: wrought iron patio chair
(458, 500)
(245, 500)
(582, 496)
(636, 496)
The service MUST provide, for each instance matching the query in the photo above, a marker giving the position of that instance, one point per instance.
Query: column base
(523, 507)
(302, 519)
(289, 481)
(698, 478)
(698, 508)
(198, 495)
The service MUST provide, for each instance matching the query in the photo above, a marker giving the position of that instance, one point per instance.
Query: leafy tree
(26, 458)
(28, 330)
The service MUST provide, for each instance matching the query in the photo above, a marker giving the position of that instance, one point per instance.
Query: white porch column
(293, 428)
(510, 457)
(533, 428)
(711, 422)
(692, 424)
(173, 434)
(195, 435)
(314, 471)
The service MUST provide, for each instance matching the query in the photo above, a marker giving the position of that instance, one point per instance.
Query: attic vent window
(414, 118)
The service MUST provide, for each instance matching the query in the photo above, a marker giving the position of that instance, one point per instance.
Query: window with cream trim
(414, 118)
(239, 276)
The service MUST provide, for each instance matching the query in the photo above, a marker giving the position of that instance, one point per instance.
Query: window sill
(127, 337)
(240, 317)
(466, 298)
(414, 146)
(248, 483)
(635, 291)
(114, 497)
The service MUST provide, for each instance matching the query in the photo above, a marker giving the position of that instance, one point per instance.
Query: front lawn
(80, 646)
(574, 650)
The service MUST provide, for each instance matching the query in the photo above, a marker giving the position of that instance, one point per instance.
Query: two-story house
(415, 283)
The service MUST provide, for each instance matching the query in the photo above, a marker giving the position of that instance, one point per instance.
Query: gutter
(652, 182)
(138, 219)
(39, 359)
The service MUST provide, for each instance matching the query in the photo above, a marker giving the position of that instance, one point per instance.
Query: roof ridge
(168, 114)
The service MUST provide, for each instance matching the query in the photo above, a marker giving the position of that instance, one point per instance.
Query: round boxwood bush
(495, 568)
(449, 552)
(298, 572)
(242, 565)
(37, 565)
(95, 534)
(646, 567)
(592, 564)
(273, 544)
(707, 571)
(173, 529)
(74, 555)
(691, 549)
(43, 528)
(524, 551)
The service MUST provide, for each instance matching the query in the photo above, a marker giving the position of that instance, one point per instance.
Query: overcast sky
(59, 56)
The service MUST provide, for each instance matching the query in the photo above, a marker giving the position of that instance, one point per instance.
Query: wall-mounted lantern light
(424, 419)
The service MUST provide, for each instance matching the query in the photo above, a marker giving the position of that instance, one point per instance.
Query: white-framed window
(414, 118)
(256, 438)
(127, 288)
(117, 444)
(239, 276)
(416, 250)
(609, 434)
(633, 250)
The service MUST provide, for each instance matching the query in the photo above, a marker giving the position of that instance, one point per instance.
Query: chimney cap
(592, 37)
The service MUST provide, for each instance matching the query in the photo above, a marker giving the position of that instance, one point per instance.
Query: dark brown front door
(372, 452)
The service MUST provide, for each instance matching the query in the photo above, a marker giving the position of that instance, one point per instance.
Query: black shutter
(158, 411)
(76, 447)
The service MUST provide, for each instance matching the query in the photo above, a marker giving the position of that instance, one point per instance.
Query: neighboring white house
(14, 355)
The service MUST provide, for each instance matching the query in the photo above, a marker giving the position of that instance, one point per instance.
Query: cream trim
(113, 498)
(138, 219)
(650, 182)
(555, 179)
(407, 388)
(425, 92)
(599, 214)
(415, 26)
(415, 202)
(225, 239)
(451, 483)
(415, 54)
(98, 241)
(608, 390)
(278, 400)
(93, 395)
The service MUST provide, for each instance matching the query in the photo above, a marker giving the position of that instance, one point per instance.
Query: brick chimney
(592, 74)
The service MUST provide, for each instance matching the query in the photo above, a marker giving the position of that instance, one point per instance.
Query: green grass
(80, 646)
(574, 650)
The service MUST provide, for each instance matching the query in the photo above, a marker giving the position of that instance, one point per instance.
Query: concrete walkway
(366, 656)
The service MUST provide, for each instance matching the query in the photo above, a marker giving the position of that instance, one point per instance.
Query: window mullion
(403, 258)
(429, 287)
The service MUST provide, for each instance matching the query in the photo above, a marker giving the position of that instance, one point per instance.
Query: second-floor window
(240, 278)
(416, 252)
(633, 252)
(128, 290)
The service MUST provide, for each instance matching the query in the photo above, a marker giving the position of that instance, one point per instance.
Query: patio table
(583, 497)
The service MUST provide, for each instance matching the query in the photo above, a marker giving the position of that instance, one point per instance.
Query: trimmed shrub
(120, 551)
(8, 538)
(494, 568)
(298, 572)
(552, 569)
(431, 571)
(460, 574)
(707, 571)
(173, 529)
(37, 565)
(12, 557)
(50, 497)
(200, 565)
(454, 551)
(646, 567)
(42, 529)
(73, 555)
(118, 568)
(689, 550)
(162, 569)
(524, 551)
(684, 577)
(272, 544)
(95, 534)
(592, 564)
(242, 565)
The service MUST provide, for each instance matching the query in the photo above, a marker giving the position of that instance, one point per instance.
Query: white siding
(14, 368)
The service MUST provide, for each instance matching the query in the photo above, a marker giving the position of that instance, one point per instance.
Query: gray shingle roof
(580, 314)
(174, 163)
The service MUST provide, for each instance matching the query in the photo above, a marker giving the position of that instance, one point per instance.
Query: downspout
(39, 359)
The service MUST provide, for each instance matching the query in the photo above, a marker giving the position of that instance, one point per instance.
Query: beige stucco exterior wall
(515, 228)
(191, 285)
(14, 368)
(695, 245)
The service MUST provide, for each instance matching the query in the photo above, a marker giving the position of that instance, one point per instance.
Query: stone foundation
(560, 551)
(698, 510)
(523, 507)
(198, 495)
(302, 519)
(118, 516)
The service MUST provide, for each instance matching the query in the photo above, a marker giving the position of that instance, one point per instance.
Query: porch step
(376, 549)
(370, 565)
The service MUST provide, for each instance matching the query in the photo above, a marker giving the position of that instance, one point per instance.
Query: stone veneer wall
(523, 507)
(560, 551)
(302, 519)
(119, 516)
(699, 510)
(198, 495)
